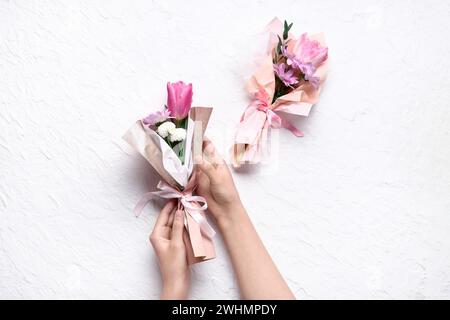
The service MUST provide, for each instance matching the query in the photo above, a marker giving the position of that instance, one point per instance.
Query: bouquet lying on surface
(288, 81)
(168, 139)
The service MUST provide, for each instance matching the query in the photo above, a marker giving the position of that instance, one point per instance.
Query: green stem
(182, 123)
(280, 89)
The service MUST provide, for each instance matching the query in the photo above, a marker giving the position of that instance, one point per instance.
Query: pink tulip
(179, 99)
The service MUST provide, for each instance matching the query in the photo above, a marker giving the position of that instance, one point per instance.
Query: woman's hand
(167, 240)
(216, 185)
(256, 273)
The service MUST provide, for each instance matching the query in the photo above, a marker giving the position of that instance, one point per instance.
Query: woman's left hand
(167, 240)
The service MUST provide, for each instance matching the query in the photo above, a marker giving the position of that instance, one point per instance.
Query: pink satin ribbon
(192, 205)
(274, 119)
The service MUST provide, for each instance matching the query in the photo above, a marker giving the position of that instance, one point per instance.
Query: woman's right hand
(216, 185)
(256, 273)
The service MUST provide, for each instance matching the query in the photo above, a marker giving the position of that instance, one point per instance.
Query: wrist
(174, 290)
(231, 215)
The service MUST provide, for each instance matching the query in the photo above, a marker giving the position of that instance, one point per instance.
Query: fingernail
(178, 214)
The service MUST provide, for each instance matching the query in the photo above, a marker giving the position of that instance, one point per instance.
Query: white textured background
(358, 208)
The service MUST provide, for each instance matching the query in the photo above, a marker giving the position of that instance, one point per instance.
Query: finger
(163, 217)
(207, 168)
(171, 217)
(203, 183)
(177, 227)
(211, 152)
(165, 232)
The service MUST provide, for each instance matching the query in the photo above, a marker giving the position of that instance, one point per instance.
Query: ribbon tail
(205, 227)
(201, 246)
(289, 126)
(142, 203)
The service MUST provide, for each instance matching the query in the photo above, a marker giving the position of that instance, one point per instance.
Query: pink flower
(156, 117)
(179, 99)
(307, 55)
(310, 51)
(285, 75)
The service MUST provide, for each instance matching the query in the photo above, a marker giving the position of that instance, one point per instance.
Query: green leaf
(286, 28)
(280, 43)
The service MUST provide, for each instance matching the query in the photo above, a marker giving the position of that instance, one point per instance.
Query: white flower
(165, 128)
(179, 134)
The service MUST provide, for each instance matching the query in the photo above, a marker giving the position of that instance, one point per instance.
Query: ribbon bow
(261, 103)
(190, 204)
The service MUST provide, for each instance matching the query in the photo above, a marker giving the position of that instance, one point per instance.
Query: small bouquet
(288, 81)
(168, 139)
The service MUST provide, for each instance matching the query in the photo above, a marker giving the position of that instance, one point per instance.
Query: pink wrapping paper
(178, 180)
(250, 141)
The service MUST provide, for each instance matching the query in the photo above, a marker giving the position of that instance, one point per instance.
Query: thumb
(177, 227)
